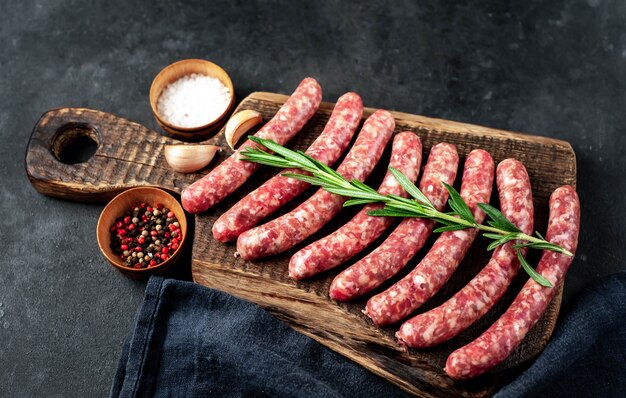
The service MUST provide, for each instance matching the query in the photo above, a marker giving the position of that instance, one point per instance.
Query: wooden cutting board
(129, 155)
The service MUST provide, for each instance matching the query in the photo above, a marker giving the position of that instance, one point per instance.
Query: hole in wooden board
(75, 143)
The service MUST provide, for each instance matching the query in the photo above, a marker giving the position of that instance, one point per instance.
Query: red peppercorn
(126, 235)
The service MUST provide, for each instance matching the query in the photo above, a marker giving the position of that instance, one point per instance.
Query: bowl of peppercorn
(142, 231)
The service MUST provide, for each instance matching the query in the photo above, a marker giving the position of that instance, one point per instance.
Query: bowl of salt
(190, 99)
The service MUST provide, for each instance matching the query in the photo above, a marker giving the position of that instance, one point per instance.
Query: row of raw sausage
(482, 292)
(233, 172)
(286, 231)
(407, 239)
(363, 229)
(409, 293)
(447, 252)
(499, 341)
(279, 190)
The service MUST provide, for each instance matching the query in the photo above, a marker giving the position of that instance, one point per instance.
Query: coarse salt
(193, 100)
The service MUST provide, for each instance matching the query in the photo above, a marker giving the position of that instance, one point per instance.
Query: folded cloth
(192, 341)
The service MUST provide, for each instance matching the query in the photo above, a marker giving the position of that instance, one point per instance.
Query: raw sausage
(444, 257)
(482, 292)
(233, 172)
(286, 231)
(410, 235)
(360, 231)
(441, 261)
(497, 343)
(279, 190)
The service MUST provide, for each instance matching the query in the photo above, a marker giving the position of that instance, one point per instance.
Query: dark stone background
(553, 68)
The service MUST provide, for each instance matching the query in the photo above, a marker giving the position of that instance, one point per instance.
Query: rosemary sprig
(498, 228)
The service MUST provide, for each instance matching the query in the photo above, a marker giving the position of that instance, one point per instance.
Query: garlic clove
(239, 124)
(189, 158)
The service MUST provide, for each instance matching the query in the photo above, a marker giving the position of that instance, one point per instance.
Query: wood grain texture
(130, 155)
(305, 305)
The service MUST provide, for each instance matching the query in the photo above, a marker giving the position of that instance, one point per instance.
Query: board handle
(87, 155)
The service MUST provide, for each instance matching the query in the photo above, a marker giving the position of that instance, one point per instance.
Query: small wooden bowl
(175, 71)
(118, 206)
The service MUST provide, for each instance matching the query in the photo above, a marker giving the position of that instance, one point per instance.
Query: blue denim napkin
(190, 341)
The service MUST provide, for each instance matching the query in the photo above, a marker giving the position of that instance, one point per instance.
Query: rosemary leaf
(268, 160)
(498, 228)
(360, 185)
(537, 277)
(410, 187)
(401, 199)
(457, 204)
(405, 207)
(318, 180)
(499, 221)
(356, 202)
(451, 227)
(502, 240)
(326, 169)
(542, 246)
(306, 178)
(492, 236)
(391, 213)
(288, 154)
(353, 193)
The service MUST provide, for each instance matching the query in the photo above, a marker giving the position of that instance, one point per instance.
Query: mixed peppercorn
(145, 236)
